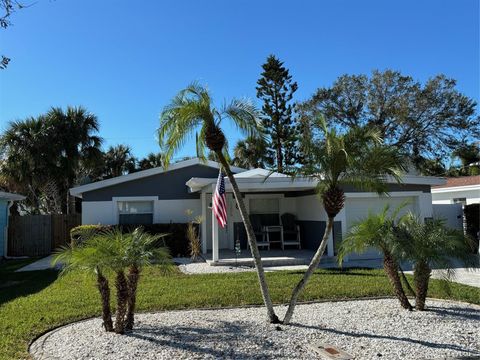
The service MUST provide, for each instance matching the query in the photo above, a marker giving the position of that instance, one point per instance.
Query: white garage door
(359, 208)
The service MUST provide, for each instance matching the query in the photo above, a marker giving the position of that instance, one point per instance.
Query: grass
(33, 302)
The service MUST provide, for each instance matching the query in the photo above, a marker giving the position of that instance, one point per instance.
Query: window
(264, 206)
(135, 212)
(462, 201)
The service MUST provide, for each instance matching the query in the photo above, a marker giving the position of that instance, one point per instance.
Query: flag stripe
(219, 201)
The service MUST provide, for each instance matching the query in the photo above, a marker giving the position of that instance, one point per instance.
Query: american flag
(220, 201)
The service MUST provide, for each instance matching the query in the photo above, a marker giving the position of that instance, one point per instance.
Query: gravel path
(204, 268)
(367, 329)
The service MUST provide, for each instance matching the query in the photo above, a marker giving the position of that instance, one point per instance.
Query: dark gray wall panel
(167, 186)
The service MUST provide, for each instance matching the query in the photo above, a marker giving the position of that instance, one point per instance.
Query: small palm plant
(428, 245)
(92, 256)
(356, 158)
(191, 110)
(378, 231)
(112, 250)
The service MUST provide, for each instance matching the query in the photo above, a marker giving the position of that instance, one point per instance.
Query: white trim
(375, 195)
(79, 190)
(116, 199)
(203, 200)
(455, 189)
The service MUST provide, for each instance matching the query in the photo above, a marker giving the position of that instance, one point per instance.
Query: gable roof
(79, 190)
(460, 181)
(11, 196)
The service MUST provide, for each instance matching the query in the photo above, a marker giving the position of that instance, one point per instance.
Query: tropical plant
(251, 153)
(378, 231)
(428, 245)
(118, 160)
(152, 160)
(44, 157)
(113, 250)
(93, 256)
(356, 158)
(141, 251)
(192, 110)
(194, 242)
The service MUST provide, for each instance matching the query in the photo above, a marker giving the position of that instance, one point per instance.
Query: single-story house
(162, 196)
(6, 200)
(461, 190)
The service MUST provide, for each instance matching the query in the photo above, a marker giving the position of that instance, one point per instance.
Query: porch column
(214, 237)
(203, 200)
(342, 216)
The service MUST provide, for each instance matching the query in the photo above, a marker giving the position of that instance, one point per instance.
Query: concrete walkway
(462, 275)
(42, 264)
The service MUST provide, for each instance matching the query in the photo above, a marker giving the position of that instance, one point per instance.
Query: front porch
(274, 257)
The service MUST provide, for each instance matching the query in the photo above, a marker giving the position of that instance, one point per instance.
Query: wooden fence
(39, 235)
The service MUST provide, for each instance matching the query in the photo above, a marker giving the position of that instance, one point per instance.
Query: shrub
(176, 240)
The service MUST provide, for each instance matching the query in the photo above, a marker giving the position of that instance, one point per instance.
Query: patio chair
(259, 231)
(291, 231)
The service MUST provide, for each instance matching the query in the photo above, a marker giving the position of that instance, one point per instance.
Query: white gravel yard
(367, 329)
(204, 268)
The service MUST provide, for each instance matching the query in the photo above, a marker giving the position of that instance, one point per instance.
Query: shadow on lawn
(196, 339)
(18, 284)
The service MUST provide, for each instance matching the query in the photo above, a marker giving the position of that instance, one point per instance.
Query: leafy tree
(276, 88)
(378, 231)
(151, 161)
(118, 160)
(425, 121)
(358, 158)
(469, 156)
(191, 110)
(431, 244)
(45, 156)
(251, 153)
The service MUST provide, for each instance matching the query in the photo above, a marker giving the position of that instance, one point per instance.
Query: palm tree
(140, 251)
(49, 149)
(92, 256)
(152, 160)
(192, 109)
(378, 231)
(431, 244)
(118, 160)
(355, 158)
(73, 135)
(251, 153)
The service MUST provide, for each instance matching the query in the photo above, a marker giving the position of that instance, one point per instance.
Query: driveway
(42, 264)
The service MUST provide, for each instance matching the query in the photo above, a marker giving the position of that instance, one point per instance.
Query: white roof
(254, 180)
(79, 190)
(10, 196)
(258, 172)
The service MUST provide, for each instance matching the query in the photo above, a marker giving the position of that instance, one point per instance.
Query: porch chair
(291, 231)
(259, 231)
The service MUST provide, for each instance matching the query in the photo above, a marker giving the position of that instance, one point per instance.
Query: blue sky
(124, 60)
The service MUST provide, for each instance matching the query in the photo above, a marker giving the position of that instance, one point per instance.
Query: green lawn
(33, 302)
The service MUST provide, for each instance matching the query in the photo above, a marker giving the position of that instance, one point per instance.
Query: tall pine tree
(276, 88)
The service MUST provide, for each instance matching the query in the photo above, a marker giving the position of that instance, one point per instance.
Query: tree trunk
(104, 289)
(132, 282)
(421, 278)
(311, 268)
(122, 295)
(252, 242)
(391, 269)
(279, 156)
(407, 283)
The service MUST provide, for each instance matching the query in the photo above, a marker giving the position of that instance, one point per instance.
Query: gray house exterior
(164, 196)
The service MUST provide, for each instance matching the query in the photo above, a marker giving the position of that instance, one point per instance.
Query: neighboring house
(6, 200)
(162, 196)
(461, 190)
